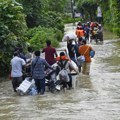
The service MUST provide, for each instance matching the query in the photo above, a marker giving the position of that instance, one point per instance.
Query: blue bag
(92, 53)
(32, 91)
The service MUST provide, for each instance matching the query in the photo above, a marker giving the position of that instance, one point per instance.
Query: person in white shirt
(29, 56)
(16, 73)
(99, 14)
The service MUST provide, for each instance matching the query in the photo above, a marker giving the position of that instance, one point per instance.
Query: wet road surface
(95, 97)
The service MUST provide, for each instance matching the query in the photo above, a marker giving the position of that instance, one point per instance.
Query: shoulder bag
(81, 58)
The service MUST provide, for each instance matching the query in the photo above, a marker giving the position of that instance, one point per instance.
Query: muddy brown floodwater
(94, 97)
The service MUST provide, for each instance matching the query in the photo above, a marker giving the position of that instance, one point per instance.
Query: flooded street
(94, 97)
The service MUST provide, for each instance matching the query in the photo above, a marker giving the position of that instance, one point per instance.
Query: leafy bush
(111, 15)
(12, 29)
(37, 36)
(71, 20)
(115, 8)
(52, 19)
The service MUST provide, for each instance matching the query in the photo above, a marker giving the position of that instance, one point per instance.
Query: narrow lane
(95, 97)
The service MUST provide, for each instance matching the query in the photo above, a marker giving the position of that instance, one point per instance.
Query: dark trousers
(99, 20)
(40, 84)
(64, 84)
(16, 81)
(67, 84)
(74, 60)
(70, 82)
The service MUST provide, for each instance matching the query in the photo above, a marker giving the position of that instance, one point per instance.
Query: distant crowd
(32, 65)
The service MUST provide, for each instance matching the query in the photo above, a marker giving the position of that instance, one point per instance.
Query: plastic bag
(63, 75)
(81, 58)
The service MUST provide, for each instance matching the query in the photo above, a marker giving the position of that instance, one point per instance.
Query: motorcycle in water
(96, 35)
(52, 81)
(52, 78)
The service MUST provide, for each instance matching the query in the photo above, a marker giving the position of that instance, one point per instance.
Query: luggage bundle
(27, 87)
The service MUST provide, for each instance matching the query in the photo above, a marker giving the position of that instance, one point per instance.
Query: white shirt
(17, 64)
(99, 13)
(69, 66)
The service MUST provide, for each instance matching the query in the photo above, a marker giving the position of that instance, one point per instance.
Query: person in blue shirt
(37, 70)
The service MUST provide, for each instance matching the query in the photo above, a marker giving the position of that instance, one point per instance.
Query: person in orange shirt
(62, 58)
(85, 50)
(80, 32)
(77, 31)
(69, 66)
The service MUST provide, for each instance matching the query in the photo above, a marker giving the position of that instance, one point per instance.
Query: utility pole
(73, 9)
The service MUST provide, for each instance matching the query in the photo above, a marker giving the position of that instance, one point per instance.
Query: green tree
(44, 12)
(33, 10)
(57, 5)
(115, 13)
(88, 9)
(12, 30)
(111, 14)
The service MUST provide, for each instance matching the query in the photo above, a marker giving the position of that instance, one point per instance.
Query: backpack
(63, 74)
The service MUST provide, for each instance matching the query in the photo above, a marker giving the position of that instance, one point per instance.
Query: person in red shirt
(50, 52)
